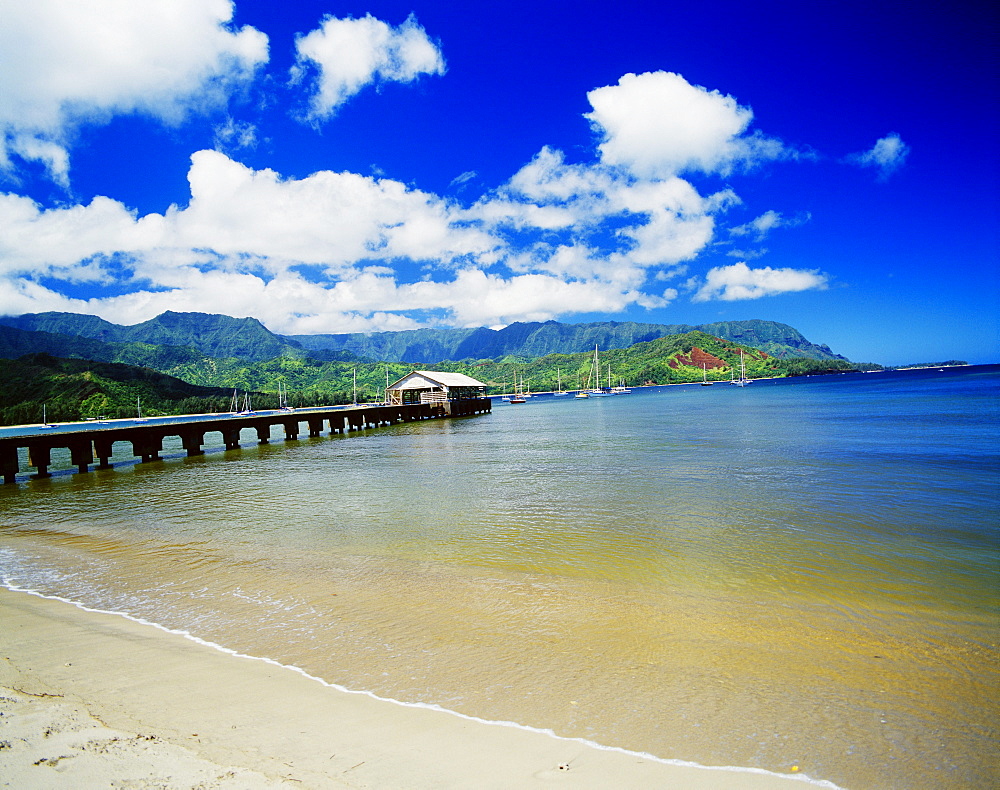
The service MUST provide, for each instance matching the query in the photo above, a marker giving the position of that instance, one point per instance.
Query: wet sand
(94, 700)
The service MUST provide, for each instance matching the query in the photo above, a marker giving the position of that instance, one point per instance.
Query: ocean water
(797, 573)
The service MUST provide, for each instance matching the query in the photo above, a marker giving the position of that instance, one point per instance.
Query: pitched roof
(441, 378)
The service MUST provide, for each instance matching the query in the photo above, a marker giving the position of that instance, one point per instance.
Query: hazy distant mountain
(221, 336)
(552, 337)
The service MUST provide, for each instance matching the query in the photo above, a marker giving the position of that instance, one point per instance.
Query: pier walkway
(92, 441)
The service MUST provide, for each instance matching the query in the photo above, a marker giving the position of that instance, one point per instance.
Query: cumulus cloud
(617, 226)
(329, 249)
(658, 124)
(286, 250)
(739, 281)
(887, 155)
(340, 251)
(67, 64)
(327, 218)
(346, 55)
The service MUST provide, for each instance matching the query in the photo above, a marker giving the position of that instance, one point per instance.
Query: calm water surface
(802, 572)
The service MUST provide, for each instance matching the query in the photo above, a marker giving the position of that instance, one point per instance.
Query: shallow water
(796, 573)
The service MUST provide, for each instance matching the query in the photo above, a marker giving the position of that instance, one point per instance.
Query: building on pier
(432, 386)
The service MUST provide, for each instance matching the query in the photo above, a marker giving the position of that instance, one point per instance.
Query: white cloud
(759, 228)
(462, 180)
(234, 135)
(327, 218)
(888, 155)
(657, 125)
(477, 298)
(64, 64)
(70, 243)
(747, 255)
(339, 251)
(739, 281)
(351, 54)
(678, 224)
(616, 225)
(334, 220)
(547, 179)
(243, 240)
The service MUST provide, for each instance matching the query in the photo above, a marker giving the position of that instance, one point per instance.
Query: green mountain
(221, 336)
(671, 359)
(213, 335)
(552, 337)
(15, 343)
(73, 389)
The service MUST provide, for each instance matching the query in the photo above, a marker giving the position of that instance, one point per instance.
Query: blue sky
(343, 167)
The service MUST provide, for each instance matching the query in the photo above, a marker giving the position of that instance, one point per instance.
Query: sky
(361, 167)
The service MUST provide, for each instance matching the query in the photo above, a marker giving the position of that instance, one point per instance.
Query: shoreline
(92, 697)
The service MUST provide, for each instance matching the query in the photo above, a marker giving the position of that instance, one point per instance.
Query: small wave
(12, 586)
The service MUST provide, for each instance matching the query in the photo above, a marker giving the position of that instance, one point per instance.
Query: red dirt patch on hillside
(696, 358)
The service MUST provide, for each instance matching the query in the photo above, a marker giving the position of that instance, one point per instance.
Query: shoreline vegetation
(91, 699)
(73, 389)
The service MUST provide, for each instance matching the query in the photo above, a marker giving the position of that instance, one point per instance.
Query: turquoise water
(799, 572)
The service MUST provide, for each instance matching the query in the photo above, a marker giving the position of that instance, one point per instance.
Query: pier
(91, 444)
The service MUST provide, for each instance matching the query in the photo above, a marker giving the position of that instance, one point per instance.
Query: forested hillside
(81, 366)
(552, 337)
(220, 336)
(73, 389)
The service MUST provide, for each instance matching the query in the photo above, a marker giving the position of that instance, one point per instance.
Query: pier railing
(90, 443)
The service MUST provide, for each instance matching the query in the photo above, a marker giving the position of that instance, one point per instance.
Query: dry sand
(93, 700)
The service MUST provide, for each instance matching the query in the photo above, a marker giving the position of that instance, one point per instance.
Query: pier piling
(87, 442)
(82, 455)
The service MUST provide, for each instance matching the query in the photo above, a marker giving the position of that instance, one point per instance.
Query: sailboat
(138, 410)
(238, 407)
(742, 381)
(582, 393)
(45, 421)
(598, 392)
(518, 396)
(704, 376)
(283, 397)
(559, 390)
(608, 388)
(619, 388)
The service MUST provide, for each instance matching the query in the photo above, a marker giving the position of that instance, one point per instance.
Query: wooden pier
(94, 442)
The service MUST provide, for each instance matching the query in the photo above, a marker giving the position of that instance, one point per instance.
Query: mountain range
(221, 336)
(82, 366)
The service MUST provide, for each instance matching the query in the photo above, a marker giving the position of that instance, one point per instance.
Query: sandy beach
(91, 700)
